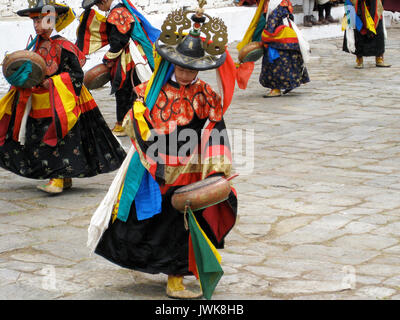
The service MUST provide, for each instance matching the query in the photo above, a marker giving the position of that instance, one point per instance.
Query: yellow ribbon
(66, 19)
(345, 23)
(370, 22)
(252, 27)
(7, 102)
(212, 247)
(139, 108)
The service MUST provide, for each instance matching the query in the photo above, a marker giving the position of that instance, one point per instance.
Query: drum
(251, 52)
(97, 77)
(202, 194)
(13, 63)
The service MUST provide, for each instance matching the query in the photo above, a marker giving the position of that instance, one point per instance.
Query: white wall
(9, 7)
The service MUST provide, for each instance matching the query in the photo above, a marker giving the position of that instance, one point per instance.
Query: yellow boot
(119, 130)
(273, 93)
(176, 289)
(359, 63)
(380, 63)
(54, 186)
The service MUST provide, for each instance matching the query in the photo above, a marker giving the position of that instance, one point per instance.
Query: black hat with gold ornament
(42, 7)
(193, 51)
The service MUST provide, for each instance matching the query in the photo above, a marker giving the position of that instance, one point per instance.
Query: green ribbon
(19, 77)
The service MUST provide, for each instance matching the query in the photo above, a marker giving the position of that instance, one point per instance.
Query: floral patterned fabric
(275, 20)
(121, 18)
(177, 106)
(288, 71)
(51, 52)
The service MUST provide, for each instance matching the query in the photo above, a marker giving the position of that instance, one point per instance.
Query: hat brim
(27, 12)
(87, 4)
(171, 54)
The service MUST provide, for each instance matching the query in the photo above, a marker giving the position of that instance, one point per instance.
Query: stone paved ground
(319, 204)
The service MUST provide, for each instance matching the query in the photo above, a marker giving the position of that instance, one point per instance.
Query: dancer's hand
(110, 64)
(45, 84)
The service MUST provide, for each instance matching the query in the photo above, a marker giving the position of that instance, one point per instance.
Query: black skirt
(156, 245)
(87, 150)
(286, 72)
(368, 46)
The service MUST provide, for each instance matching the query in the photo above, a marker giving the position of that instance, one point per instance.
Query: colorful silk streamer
(204, 259)
(19, 77)
(136, 171)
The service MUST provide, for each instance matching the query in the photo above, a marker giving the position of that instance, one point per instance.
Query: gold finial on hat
(50, 2)
(200, 9)
(202, 3)
(34, 3)
(31, 3)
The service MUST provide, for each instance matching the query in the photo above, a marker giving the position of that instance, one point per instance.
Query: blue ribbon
(132, 183)
(148, 199)
(163, 75)
(273, 54)
(32, 44)
(352, 16)
(19, 77)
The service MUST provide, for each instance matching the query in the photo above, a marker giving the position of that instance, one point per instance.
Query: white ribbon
(142, 66)
(102, 216)
(22, 130)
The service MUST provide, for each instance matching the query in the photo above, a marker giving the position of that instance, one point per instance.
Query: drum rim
(208, 205)
(25, 55)
(257, 46)
(182, 190)
(93, 74)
